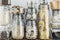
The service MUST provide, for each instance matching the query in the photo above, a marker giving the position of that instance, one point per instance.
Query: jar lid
(6, 2)
(31, 4)
(17, 9)
(55, 5)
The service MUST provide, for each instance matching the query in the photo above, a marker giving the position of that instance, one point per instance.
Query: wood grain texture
(55, 5)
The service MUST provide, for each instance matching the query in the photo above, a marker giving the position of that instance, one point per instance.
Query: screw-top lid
(17, 10)
(44, 1)
(55, 4)
(31, 4)
(6, 2)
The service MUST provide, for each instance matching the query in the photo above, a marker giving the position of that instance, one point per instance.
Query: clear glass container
(55, 19)
(5, 20)
(4, 15)
(43, 21)
(17, 27)
(31, 28)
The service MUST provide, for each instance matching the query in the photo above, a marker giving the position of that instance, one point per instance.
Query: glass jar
(4, 15)
(17, 27)
(31, 28)
(43, 21)
(55, 24)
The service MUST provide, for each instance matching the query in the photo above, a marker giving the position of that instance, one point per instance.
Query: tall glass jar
(31, 28)
(5, 20)
(55, 24)
(17, 28)
(43, 21)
